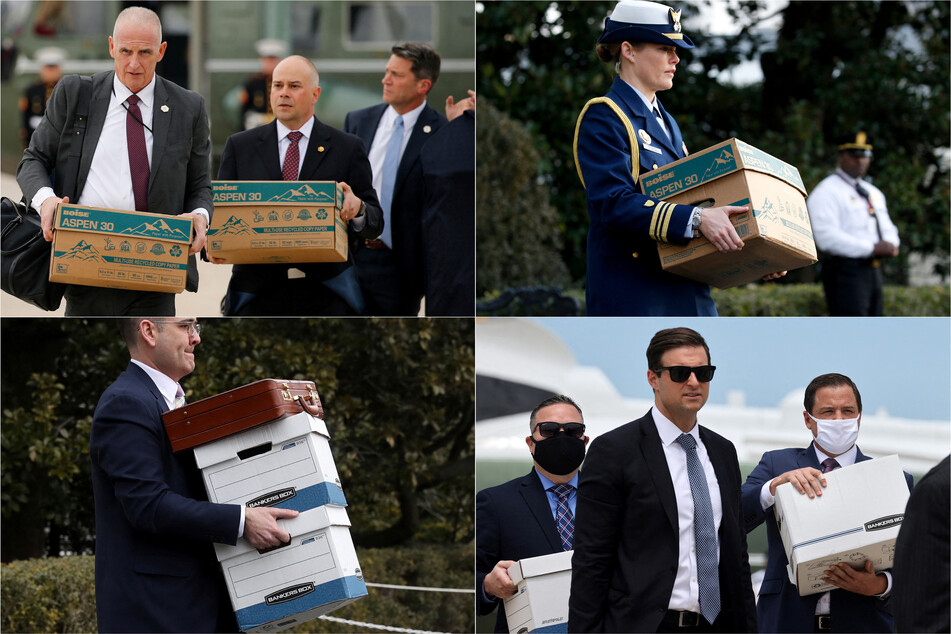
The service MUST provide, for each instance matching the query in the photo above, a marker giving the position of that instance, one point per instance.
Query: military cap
(639, 21)
(856, 144)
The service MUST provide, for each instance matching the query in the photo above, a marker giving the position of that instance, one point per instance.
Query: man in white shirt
(853, 232)
(659, 540)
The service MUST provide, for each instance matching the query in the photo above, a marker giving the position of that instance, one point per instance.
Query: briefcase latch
(286, 392)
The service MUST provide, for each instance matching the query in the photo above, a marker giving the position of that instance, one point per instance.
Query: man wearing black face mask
(532, 515)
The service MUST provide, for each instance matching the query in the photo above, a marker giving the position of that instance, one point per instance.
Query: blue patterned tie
(564, 520)
(391, 163)
(704, 531)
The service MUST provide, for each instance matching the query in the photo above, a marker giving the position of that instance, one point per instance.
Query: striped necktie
(179, 398)
(292, 157)
(564, 519)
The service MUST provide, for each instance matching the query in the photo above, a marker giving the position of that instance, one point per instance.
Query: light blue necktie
(391, 163)
(704, 531)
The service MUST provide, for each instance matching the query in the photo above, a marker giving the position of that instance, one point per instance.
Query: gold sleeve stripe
(635, 154)
(660, 221)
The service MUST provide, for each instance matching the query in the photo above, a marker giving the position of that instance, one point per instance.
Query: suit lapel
(807, 458)
(643, 119)
(160, 124)
(267, 152)
(537, 502)
(421, 133)
(676, 143)
(149, 384)
(723, 470)
(317, 148)
(653, 454)
(366, 129)
(99, 106)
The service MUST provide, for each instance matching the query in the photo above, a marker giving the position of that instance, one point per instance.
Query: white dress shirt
(109, 182)
(168, 389)
(381, 140)
(686, 592)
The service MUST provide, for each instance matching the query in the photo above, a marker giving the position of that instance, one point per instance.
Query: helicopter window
(378, 25)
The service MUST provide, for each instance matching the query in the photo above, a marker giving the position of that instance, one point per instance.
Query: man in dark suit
(659, 539)
(922, 597)
(165, 172)
(156, 568)
(270, 152)
(517, 519)
(833, 413)
(391, 268)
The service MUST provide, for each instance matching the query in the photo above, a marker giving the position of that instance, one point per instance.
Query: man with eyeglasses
(659, 538)
(156, 568)
(532, 515)
(833, 414)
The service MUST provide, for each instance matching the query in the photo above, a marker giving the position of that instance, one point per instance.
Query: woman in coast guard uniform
(624, 272)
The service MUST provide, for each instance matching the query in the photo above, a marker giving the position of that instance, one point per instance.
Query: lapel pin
(645, 137)
(164, 108)
(320, 148)
(427, 129)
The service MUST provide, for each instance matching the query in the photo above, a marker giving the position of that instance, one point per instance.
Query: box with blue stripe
(115, 248)
(260, 222)
(316, 573)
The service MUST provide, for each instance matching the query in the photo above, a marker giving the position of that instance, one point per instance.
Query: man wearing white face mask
(833, 414)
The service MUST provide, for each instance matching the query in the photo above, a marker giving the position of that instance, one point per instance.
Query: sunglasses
(549, 429)
(680, 373)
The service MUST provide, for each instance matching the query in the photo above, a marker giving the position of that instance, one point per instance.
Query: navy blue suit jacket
(156, 568)
(408, 197)
(624, 274)
(780, 608)
(513, 521)
(626, 538)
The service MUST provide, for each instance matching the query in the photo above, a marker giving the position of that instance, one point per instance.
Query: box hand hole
(257, 450)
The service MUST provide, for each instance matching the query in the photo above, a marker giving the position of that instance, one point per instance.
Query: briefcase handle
(10, 226)
(311, 406)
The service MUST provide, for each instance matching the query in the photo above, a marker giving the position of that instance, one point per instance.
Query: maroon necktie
(829, 464)
(292, 158)
(138, 156)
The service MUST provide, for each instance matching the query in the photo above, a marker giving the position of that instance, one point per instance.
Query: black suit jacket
(513, 521)
(179, 179)
(408, 196)
(332, 155)
(156, 568)
(626, 535)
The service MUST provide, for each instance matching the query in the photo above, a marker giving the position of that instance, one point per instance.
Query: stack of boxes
(284, 463)
(540, 603)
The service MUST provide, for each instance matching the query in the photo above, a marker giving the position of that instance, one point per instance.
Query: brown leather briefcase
(239, 409)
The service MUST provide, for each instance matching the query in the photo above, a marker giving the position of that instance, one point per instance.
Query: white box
(294, 469)
(541, 603)
(316, 573)
(857, 517)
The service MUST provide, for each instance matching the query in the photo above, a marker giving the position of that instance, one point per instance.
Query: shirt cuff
(358, 223)
(888, 588)
(689, 233)
(766, 500)
(485, 596)
(41, 196)
(201, 211)
(241, 523)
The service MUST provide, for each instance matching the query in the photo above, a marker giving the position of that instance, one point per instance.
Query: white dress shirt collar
(650, 104)
(669, 433)
(409, 119)
(147, 94)
(283, 130)
(166, 386)
(845, 460)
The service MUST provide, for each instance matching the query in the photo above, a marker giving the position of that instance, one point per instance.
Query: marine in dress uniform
(853, 232)
(618, 138)
(255, 95)
(33, 100)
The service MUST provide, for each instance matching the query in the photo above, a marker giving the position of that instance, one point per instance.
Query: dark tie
(704, 531)
(292, 157)
(871, 209)
(564, 520)
(138, 155)
(829, 464)
(391, 163)
(660, 120)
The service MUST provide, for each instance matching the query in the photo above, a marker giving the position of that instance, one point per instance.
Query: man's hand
(453, 109)
(884, 249)
(774, 276)
(716, 227)
(261, 529)
(199, 229)
(865, 582)
(351, 204)
(498, 583)
(47, 209)
(806, 480)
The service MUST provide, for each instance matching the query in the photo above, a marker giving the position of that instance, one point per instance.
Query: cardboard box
(120, 249)
(285, 464)
(541, 603)
(316, 573)
(776, 233)
(857, 517)
(277, 221)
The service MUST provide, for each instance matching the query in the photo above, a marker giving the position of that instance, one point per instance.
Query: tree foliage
(831, 68)
(398, 397)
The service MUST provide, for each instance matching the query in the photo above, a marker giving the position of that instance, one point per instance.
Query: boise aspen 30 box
(541, 602)
(315, 573)
(856, 518)
(133, 250)
(258, 222)
(776, 231)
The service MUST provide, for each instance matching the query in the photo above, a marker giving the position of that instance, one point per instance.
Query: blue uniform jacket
(780, 608)
(624, 272)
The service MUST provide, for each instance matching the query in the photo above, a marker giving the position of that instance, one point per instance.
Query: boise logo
(884, 522)
(289, 594)
(272, 498)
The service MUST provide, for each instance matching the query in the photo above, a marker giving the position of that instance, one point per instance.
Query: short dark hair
(829, 380)
(424, 57)
(553, 400)
(129, 329)
(671, 338)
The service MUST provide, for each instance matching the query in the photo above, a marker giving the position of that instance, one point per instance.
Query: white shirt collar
(166, 386)
(409, 119)
(306, 129)
(848, 179)
(650, 104)
(669, 433)
(147, 94)
(845, 460)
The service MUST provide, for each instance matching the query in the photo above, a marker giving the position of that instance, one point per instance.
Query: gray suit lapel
(161, 120)
(101, 98)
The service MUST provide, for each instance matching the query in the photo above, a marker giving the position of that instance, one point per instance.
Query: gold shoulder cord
(635, 155)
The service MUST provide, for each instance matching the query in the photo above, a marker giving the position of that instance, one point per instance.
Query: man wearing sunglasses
(156, 569)
(659, 539)
(532, 515)
(833, 413)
